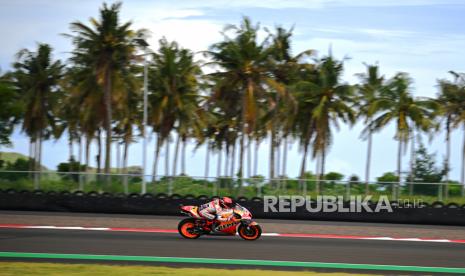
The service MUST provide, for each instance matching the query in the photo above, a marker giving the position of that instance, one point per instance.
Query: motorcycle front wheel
(186, 228)
(249, 233)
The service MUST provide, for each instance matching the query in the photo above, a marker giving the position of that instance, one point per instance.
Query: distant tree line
(258, 89)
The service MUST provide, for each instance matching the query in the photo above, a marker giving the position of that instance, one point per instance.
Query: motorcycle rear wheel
(249, 233)
(186, 227)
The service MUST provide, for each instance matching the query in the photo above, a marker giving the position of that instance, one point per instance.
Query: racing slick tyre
(250, 233)
(186, 228)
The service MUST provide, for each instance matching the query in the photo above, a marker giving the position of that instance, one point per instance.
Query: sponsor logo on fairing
(224, 226)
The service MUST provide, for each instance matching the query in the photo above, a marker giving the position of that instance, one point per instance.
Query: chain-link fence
(247, 187)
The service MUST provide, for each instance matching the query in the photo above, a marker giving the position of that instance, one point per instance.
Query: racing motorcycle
(241, 222)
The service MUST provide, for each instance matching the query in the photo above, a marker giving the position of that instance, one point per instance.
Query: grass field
(51, 269)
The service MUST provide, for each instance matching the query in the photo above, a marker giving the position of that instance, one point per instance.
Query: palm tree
(86, 96)
(128, 115)
(174, 101)
(107, 47)
(68, 118)
(36, 77)
(332, 102)
(284, 68)
(10, 109)
(397, 104)
(369, 92)
(451, 101)
(242, 62)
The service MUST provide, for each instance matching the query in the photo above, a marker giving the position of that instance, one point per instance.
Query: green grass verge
(51, 269)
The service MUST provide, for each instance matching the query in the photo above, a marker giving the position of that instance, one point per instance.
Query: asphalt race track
(398, 253)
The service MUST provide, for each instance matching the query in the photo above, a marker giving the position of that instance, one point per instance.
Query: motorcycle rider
(219, 209)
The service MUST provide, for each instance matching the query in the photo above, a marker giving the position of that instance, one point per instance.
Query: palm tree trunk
(304, 161)
(412, 163)
(80, 149)
(284, 164)
(218, 165)
(462, 176)
(245, 95)
(249, 157)
(31, 154)
(273, 140)
(255, 160)
(176, 151)
(278, 163)
(99, 155)
(125, 166)
(240, 173)
(303, 183)
(399, 162)
(226, 162)
(183, 156)
(38, 162)
(285, 144)
(40, 157)
(233, 159)
(278, 158)
(167, 166)
(446, 187)
(367, 168)
(30, 150)
(155, 160)
(70, 145)
(108, 114)
(32, 157)
(272, 159)
(207, 160)
(88, 141)
(118, 157)
(81, 185)
(167, 157)
(34, 162)
(317, 174)
(323, 163)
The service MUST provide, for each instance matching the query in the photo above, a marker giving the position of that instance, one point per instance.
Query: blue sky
(422, 37)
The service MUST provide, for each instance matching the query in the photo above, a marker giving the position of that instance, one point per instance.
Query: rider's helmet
(226, 202)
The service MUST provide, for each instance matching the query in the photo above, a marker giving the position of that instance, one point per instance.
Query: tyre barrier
(161, 196)
(452, 205)
(162, 204)
(189, 196)
(176, 196)
(79, 193)
(93, 194)
(147, 195)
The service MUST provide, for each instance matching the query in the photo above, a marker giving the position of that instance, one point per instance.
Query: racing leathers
(213, 210)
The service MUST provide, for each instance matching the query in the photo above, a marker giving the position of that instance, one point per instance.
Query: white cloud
(339, 165)
(196, 35)
(304, 4)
